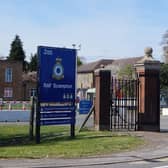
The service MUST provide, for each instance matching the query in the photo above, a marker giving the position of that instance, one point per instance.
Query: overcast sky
(104, 28)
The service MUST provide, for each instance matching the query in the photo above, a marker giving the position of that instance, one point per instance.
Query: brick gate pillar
(102, 100)
(148, 70)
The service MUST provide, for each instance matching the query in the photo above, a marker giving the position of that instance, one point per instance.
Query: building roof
(126, 61)
(3, 58)
(90, 67)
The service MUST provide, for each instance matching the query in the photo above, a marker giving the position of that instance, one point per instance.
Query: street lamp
(74, 47)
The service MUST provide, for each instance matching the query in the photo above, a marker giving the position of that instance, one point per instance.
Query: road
(158, 163)
(86, 163)
(164, 123)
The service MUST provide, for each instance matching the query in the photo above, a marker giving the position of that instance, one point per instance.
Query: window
(8, 92)
(33, 92)
(8, 75)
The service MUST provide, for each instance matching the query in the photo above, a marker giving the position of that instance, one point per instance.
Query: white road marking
(162, 159)
(139, 162)
(162, 166)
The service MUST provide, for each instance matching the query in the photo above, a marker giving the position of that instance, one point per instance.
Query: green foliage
(126, 72)
(56, 142)
(164, 77)
(33, 63)
(79, 62)
(26, 66)
(16, 51)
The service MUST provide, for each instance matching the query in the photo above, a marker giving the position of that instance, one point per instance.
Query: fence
(124, 104)
(15, 105)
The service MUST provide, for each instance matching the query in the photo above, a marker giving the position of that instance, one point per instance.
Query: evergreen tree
(33, 63)
(16, 51)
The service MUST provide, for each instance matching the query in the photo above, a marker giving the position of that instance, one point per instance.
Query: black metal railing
(124, 104)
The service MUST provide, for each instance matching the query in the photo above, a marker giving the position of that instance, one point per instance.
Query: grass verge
(56, 142)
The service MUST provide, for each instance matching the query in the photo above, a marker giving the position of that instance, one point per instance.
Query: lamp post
(74, 47)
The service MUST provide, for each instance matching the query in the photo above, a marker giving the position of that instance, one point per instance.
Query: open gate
(124, 104)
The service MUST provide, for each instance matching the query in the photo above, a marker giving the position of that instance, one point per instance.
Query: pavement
(155, 148)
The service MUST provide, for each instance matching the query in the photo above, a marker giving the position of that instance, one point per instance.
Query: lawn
(56, 142)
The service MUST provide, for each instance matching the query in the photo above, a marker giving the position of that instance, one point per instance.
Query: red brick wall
(16, 83)
(26, 89)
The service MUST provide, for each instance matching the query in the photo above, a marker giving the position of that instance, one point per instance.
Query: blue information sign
(57, 73)
(57, 121)
(56, 85)
(85, 106)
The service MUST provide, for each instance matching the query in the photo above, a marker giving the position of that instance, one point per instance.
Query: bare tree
(164, 44)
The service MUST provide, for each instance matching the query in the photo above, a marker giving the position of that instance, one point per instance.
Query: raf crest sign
(58, 70)
(56, 87)
(57, 74)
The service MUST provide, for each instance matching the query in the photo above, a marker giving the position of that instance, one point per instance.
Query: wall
(85, 80)
(16, 83)
(27, 86)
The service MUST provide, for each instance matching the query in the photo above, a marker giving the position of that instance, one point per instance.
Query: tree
(33, 63)
(164, 82)
(126, 72)
(79, 61)
(164, 77)
(16, 52)
(164, 44)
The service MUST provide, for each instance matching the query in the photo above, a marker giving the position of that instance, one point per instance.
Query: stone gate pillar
(148, 70)
(102, 100)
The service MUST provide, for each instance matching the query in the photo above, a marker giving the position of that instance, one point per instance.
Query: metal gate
(124, 104)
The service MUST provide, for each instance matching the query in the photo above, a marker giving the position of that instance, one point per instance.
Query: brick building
(11, 80)
(29, 85)
(85, 77)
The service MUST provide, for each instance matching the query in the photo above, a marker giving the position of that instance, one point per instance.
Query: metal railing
(124, 104)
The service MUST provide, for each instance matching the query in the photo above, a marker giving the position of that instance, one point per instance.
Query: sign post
(56, 88)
